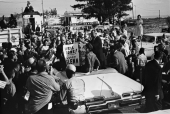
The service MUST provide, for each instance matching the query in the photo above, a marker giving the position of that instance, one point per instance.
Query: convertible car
(107, 90)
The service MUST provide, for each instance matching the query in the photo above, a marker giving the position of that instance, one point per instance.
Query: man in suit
(118, 60)
(3, 24)
(152, 84)
(97, 48)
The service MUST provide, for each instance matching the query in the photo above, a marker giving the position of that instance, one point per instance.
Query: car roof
(157, 34)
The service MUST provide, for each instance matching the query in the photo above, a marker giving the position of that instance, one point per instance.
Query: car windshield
(148, 39)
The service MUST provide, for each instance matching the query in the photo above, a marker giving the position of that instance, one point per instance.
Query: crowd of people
(30, 67)
(11, 23)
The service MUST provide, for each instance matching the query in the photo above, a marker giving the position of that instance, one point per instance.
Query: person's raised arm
(3, 74)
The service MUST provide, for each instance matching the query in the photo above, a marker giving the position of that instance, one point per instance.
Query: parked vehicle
(150, 40)
(107, 90)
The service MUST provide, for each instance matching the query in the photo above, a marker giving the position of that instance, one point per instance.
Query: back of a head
(70, 70)
(31, 61)
(117, 46)
(142, 51)
(11, 54)
(41, 65)
(161, 47)
(158, 55)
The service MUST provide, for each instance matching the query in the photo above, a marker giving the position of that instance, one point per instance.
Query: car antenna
(112, 93)
(101, 87)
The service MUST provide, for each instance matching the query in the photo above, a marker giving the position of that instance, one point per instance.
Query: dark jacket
(28, 9)
(60, 56)
(98, 50)
(29, 53)
(90, 61)
(12, 22)
(37, 29)
(119, 62)
(3, 24)
(153, 79)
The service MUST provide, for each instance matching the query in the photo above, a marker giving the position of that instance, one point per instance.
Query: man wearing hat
(73, 89)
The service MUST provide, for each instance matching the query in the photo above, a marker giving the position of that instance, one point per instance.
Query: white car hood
(97, 84)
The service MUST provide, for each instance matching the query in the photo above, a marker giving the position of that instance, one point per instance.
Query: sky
(151, 8)
(142, 7)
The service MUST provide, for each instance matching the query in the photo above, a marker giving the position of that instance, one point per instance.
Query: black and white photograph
(84, 56)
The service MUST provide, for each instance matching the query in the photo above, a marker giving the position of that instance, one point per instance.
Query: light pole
(132, 10)
(135, 10)
(43, 11)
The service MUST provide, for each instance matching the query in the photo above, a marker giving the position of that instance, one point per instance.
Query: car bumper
(115, 104)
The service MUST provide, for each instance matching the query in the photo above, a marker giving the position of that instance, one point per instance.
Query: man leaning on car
(73, 91)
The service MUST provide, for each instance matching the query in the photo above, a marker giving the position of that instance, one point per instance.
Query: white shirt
(126, 48)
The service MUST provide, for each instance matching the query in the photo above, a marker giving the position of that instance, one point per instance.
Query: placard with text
(71, 54)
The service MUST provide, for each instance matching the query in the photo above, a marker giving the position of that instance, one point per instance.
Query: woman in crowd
(139, 27)
(44, 48)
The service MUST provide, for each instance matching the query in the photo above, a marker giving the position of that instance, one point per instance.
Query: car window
(149, 39)
(158, 40)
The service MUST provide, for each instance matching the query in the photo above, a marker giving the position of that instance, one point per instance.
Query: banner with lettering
(71, 54)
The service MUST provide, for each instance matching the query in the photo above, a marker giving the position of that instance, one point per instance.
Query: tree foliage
(103, 9)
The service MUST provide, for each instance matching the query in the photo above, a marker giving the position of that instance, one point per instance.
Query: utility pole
(132, 10)
(43, 18)
(22, 10)
(135, 11)
(43, 11)
(159, 15)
